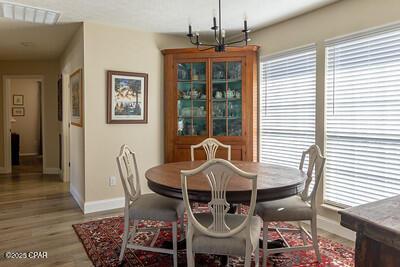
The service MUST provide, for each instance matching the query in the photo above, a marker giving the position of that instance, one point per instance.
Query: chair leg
(190, 256)
(125, 237)
(247, 259)
(175, 243)
(265, 244)
(303, 236)
(257, 255)
(314, 235)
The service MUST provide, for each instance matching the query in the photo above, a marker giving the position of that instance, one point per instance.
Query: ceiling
(161, 16)
(25, 41)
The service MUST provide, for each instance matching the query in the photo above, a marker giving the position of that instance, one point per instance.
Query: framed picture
(18, 100)
(126, 97)
(18, 112)
(59, 99)
(75, 85)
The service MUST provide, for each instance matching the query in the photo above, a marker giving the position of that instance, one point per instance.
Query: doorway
(23, 124)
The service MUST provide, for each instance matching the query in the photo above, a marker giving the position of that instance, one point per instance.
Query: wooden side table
(378, 232)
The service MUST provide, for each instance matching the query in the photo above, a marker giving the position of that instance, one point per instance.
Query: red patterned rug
(102, 242)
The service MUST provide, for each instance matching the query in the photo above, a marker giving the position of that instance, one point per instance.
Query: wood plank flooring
(37, 213)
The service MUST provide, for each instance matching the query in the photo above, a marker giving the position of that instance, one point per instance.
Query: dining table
(273, 182)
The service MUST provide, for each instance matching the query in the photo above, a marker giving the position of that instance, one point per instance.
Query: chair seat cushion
(287, 209)
(234, 245)
(156, 207)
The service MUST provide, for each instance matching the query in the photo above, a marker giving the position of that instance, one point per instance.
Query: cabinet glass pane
(235, 127)
(219, 109)
(234, 109)
(219, 127)
(199, 126)
(184, 71)
(227, 98)
(185, 108)
(199, 108)
(234, 90)
(184, 126)
(184, 90)
(234, 70)
(192, 99)
(199, 90)
(199, 72)
(219, 71)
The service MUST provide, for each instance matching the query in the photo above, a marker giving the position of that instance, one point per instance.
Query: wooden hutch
(210, 94)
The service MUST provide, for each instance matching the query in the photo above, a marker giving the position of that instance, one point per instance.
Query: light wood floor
(28, 164)
(36, 214)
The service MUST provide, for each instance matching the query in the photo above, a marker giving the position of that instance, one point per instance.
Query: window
(363, 117)
(287, 106)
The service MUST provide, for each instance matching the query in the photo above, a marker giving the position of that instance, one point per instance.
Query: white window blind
(287, 106)
(363, 117)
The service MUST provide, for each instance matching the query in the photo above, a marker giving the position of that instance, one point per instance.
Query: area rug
(102, 241)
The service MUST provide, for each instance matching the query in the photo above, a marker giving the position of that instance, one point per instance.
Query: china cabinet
(210, 94)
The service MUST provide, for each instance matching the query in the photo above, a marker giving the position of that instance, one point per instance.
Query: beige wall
(341, 18)
(49, 71)
(111, 48)
(28, 126)
(71, 60)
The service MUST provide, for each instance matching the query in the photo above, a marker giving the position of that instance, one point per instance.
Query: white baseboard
(334, 227)
(76, 196)
(105, 204)
(51, 171)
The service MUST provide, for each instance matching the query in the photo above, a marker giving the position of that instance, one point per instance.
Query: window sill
(331, 207)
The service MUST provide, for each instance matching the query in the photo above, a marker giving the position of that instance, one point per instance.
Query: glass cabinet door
(192, 99)
(227, 98)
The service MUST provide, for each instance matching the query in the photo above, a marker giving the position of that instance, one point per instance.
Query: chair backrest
(315, 159)
(129, 173)
(210, 146)
(218, 173)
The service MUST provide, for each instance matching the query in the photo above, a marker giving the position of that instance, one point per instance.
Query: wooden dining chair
(210, 146)
(145, 207)
(297, 208)
(217, 232)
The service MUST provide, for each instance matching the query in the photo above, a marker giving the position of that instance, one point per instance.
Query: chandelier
(219, 36)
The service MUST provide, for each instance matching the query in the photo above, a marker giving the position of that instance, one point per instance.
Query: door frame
(65, 142)
(6, 119)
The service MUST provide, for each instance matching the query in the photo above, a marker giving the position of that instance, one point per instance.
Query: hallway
(28, 164)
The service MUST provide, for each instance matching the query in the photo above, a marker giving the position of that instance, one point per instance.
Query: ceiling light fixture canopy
(219, 36)
(28, 13)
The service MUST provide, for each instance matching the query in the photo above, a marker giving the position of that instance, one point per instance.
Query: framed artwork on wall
(18, 112)
(76, 109)
(18, 100)
(127, 97)
(59, 99)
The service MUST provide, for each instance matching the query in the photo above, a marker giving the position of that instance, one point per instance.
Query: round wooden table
(273, 182)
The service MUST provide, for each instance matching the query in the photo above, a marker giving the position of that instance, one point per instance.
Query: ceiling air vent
(28, 13)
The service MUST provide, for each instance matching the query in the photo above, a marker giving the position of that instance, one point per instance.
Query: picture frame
(60, 99)
(76, 98)
(18, 111)
(127, 97)
(18, 100)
